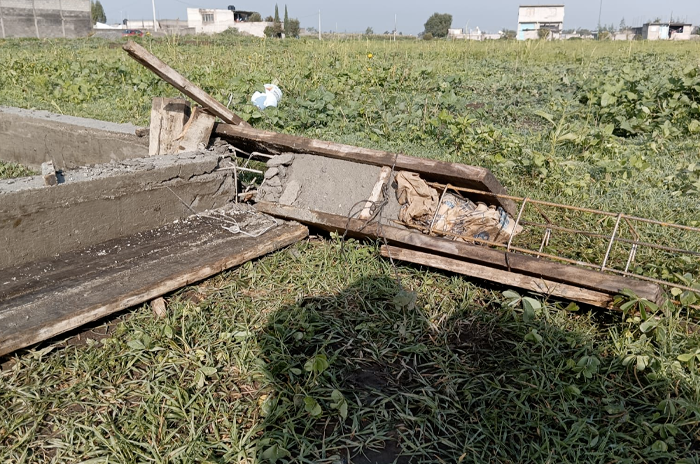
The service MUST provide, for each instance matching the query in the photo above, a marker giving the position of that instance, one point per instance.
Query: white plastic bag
(271, 97)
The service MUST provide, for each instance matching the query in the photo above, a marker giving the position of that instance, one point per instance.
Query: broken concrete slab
(32, 137)
(104, 202)
(330, 185)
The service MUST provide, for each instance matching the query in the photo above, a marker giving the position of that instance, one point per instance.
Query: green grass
(308, 355)
(246, 365)
(14, 170)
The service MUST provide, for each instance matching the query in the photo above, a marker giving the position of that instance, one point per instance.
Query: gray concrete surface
(45, 18)
(104, 202)
(32, 137)
(324, 184)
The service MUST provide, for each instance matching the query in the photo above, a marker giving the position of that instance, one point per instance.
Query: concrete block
(92, 205)
(32, 137)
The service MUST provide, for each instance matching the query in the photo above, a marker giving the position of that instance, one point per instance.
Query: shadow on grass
(243, 371)
(370, 376)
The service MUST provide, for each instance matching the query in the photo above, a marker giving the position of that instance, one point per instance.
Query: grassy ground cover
(310, 355)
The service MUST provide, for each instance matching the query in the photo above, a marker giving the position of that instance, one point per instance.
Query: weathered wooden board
(461, 175)
(168, 118)
(511, 279)
(47, 298)
(197, 131)
(519, 263)
(178, 81)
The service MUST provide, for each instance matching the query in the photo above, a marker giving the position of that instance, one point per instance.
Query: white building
(211, 21)
(533, 18)
(665, 31)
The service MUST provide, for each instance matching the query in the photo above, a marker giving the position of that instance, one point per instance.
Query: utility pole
(319, 25)
(155, 23)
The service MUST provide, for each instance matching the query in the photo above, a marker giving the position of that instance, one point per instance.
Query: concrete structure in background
(45, 18)
(664, 31)
(533, 18)
(211, 21)
(472, 34)
(32, 137)
(166, 26)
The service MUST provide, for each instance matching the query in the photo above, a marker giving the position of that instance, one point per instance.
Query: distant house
(45, 18)
(664, 31)
(212, 21)
(533, 18)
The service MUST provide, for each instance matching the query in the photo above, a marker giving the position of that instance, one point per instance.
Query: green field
(313, 355)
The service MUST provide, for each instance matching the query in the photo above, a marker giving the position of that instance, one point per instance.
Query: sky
(358, 15)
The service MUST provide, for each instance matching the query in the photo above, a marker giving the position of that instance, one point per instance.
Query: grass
(14, 170)
(262, 362)
(309, 355)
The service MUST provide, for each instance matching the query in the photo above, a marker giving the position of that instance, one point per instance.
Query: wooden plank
(197, 131)
(376, 193)
(523, 264)
(83, 286)
(511, 279)
(168, 118)
(178, 81)
(461, 175)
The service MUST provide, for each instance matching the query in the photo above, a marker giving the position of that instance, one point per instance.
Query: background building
(532, 18)
(209, 21)
(664, 31)
(45, 18)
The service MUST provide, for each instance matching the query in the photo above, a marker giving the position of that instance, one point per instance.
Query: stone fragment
(270, 173)
(273, 182)
(284, 159)
(48, 171)
(290, 193)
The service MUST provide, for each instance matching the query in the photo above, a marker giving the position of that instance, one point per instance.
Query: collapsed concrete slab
(32, 137)
(96, 204)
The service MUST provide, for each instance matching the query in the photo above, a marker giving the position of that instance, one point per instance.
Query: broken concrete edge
(99, 203)
(32, 137)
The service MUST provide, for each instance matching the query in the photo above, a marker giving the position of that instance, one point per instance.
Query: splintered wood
(168, 118)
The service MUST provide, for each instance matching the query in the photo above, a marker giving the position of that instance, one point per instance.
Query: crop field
(324, 353)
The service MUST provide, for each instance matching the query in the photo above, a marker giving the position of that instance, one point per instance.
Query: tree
(438, 24)
(369, 31)
(508, 34)
(623, 25)
(277, 14)
(543, 33)
(269, 19)
(255, 18)
(286, 21)
(97, 12)
(294, 27)
(427, 36)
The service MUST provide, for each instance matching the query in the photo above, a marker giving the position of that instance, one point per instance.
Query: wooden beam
(178, 81)
(461, 175)
(520, 263)
(510, 279)
(168, 118)
(46, 298)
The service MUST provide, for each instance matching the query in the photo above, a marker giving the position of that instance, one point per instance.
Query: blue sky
(356, 16)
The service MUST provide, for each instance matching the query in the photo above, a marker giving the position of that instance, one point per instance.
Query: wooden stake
(197, 131)
(168, 117)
